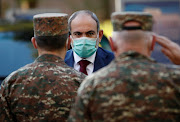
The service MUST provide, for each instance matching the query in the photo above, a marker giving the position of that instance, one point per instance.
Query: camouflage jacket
(131, 88)
(42, 90)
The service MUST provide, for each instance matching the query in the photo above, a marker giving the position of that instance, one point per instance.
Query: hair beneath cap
(120, 18)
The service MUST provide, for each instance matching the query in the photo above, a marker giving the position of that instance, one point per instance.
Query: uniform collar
(49, 58)
(133, 54)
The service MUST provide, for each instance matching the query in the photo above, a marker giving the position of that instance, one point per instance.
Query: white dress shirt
(89, 68)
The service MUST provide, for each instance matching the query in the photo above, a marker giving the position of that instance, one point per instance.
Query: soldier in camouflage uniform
(133, 87)
(45, 89)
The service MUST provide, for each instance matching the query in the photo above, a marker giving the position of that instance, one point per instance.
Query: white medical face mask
(84, 46)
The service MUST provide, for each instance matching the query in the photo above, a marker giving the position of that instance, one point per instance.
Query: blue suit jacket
(103, 58)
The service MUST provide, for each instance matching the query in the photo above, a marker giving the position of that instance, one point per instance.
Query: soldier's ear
(33, 40)
(153, 43)
(111, 43)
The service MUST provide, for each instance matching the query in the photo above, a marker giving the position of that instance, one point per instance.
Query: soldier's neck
(140, 50)
(61, 53)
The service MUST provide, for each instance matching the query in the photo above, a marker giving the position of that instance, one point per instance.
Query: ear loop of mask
(68, 43)
(97, 40)
(71, 41)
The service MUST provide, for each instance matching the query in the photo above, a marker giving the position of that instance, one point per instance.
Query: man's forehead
(82, 14)
(83, 30)
(91, 31)
(83, 18)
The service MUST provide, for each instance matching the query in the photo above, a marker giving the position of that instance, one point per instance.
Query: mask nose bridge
(84, 42)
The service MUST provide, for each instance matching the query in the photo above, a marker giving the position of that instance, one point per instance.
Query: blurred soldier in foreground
(133, 87)
(45, 89)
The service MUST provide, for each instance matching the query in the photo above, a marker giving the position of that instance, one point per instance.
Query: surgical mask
(84, 46)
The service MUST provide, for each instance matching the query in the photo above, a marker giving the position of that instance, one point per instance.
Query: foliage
(32, 3)
(100, 7)
(16, 26)
(23, 31)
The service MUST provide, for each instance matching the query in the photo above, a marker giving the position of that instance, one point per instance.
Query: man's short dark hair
(51, 43)
(93, 15)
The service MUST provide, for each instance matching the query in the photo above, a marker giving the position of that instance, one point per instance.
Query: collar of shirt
(91, 59)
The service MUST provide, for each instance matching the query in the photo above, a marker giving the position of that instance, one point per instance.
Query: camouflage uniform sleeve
(5, 112)
(79, 77)
(80, 110)
(82, 77)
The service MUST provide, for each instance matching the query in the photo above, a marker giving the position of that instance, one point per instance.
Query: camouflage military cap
(50, 24)
(118, 20)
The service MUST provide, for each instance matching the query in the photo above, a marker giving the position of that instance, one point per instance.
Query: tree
(102, 8)
(31, 3)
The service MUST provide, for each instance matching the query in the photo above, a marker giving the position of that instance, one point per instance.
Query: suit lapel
(69, 59)
(99, 59)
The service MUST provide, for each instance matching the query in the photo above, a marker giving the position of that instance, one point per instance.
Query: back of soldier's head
(51, 30)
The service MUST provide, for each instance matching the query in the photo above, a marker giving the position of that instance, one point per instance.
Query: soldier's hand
(169, 48)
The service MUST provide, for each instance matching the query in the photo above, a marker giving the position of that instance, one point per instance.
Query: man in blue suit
(86, 56)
